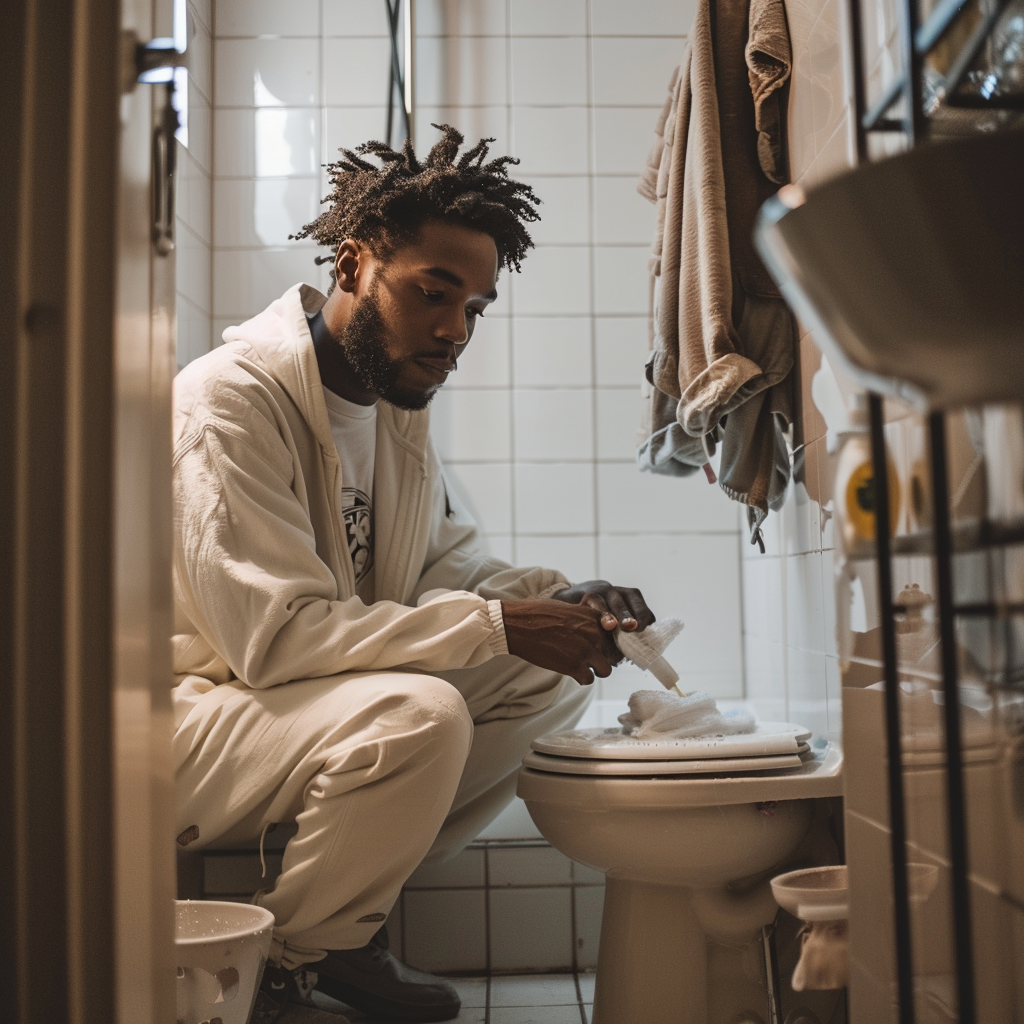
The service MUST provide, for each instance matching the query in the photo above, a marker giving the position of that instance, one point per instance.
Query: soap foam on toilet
(662, 713)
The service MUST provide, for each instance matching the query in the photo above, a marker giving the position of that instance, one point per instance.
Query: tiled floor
(516, 999)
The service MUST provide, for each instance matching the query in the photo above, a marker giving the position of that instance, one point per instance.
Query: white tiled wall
(193, 227)
(538, 427)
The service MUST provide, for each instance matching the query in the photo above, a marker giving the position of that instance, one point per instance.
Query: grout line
(487, 917)
(579, 993)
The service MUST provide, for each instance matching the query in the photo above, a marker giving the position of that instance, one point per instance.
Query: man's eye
(432, 296)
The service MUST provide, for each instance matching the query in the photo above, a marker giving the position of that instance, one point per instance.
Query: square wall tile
(552, 498)
(531, 929)
(555, 282)
(472, 426)
(641, 18)
(267, 72)
(200, 129)
(666, 569)
(633, 502)
(355, 18)
(564, 210)
(202, 11)
(193, 334)
(549, 72)
(475, 123)
(528, 866)
(765, 678)
(462, 18)
(553, 424)
(459, 71)
(269, 142)
(193, 198)
(620, 350)
(485, 363)
(621, 214)
(543, 18)
(268, 18)
(551, 351)
(263, 211)
(446, 930)
(514, 822)
(486, 490)
(574, 557)
(651, 63)
(499, 545)
(808, 691)
(805, 619)
(618, 422)
(622, 281)
(356, 71)
(623, 136)
(200, 70)
(348, 127)
(589, 908)
(465, 871)
(247, 281)
(552, 140)
(193, 256)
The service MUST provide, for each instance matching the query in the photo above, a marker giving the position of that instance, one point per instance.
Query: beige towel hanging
(724, 342)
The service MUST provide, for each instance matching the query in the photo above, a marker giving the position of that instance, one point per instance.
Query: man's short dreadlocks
(386, 206)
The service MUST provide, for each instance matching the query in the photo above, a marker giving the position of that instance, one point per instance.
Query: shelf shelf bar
(894, 748)
(955, 805)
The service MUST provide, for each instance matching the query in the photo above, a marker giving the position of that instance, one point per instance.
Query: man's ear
(347, 261)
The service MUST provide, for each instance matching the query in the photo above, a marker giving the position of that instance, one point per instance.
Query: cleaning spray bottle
(854, 495)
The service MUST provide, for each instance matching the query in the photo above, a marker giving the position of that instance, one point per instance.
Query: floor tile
(588, 1011)
(533, 990)
(587, 983)
(535, 1015)
(472, 991)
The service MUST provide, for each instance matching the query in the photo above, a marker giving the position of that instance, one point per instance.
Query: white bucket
(220, 951)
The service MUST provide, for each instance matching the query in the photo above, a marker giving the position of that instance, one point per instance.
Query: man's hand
(566, 638)
(619, 606)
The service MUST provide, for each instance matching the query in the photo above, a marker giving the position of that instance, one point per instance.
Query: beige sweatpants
(379, 770)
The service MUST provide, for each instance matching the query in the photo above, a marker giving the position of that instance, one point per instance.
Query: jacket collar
(280, 337)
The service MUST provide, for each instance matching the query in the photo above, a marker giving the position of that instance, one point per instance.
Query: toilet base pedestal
(652, 965)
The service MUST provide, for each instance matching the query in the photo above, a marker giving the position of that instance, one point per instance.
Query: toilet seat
(772, 746)
(767, 739)
(561, 765)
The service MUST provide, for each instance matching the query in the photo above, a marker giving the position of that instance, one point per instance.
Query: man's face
(414, 314)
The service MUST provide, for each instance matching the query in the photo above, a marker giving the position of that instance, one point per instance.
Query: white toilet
(673, 823)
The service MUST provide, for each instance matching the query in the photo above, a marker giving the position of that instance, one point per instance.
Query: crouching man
(346, 657)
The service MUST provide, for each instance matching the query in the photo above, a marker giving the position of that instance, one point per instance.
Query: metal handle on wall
(164, 163)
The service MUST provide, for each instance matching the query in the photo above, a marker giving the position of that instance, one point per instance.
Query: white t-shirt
(354, 429)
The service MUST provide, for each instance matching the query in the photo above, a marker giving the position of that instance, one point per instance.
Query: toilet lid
(717, 765)
(768, 739)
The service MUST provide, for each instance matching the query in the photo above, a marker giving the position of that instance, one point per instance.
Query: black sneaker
(372, 980)
(283, 998)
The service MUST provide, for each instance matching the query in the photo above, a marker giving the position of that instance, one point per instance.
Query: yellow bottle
(854, 495)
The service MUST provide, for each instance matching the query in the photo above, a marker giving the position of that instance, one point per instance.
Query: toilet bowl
(687, 858)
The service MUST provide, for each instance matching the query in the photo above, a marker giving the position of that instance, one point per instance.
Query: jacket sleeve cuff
(555, 588)
(497, 641)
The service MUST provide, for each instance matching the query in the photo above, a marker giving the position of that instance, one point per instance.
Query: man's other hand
(564, 637)
(619, 606)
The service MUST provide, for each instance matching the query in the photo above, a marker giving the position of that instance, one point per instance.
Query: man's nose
(453, 328)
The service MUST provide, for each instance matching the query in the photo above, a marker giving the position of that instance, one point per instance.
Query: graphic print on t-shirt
(357, 512)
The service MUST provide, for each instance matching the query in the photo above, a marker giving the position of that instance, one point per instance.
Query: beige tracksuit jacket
(263, 581)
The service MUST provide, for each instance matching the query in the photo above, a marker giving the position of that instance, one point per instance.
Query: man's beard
(364, 342)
